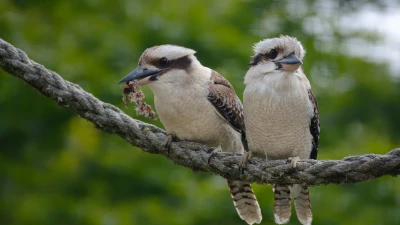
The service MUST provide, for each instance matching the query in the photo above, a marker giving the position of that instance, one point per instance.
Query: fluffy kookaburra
(196, 103)
(281, 116)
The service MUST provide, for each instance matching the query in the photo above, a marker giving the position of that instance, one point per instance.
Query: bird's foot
(168, 143)
(293, 161)
(246, 157)
(214, 152)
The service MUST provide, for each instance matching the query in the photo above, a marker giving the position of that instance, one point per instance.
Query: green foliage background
(56, 168)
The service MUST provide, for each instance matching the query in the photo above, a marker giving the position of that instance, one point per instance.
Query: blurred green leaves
(56, 168)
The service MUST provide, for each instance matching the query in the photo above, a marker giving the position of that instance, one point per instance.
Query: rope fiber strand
(152, 139)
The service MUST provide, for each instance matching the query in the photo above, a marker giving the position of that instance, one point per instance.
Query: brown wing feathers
(224, 99)
(314, 126)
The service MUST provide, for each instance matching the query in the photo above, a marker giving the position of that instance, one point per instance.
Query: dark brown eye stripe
(182, 63)
(255, 60)
(266, 56)
(258, 58)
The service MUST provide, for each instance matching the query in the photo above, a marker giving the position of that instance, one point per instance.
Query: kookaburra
(281, 116)
(196, 103)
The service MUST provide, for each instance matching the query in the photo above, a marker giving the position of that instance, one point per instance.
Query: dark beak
(290, 59)
(138, 73)
(290, 63)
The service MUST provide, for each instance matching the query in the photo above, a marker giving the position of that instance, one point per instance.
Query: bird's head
(162, 64)
(277, 54)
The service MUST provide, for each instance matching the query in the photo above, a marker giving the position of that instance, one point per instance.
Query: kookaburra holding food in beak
(281, 116)
(196, 103)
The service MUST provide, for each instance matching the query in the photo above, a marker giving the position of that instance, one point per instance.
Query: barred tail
(282, 204)
(302, 204)
(245, 201)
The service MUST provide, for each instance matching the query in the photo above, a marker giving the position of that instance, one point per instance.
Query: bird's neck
(277, 82)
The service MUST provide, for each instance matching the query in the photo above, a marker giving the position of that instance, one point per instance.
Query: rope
(151, 139)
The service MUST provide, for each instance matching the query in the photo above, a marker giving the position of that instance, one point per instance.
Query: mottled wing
(227, 104)
(314, 126)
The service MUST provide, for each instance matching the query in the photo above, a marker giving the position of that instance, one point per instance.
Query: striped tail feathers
(302, 204)
(282, 204)
(245, 201)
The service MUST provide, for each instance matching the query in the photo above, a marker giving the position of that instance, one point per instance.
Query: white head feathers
(170, 52)
(284, 43)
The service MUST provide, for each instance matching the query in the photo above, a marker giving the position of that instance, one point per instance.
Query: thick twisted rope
(192, 155)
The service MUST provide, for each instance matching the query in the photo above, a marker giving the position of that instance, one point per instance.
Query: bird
(281, 117)
(196, 103)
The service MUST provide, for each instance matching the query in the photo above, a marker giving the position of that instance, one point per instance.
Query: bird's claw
(168, 143)
(246, 156)
(213, 153)
(293, 161)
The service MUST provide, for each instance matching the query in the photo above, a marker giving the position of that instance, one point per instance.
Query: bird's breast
(192, 117)
(278, 122)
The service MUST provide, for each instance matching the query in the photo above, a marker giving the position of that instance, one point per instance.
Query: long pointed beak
(138, 73)
(289, 63)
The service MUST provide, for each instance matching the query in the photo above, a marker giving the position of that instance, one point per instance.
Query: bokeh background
(56, 168)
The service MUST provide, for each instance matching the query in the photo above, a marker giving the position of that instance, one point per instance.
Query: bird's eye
(163, 61)
(273, 54)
